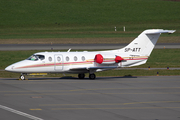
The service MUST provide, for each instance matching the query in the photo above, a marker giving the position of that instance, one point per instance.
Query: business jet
(134, 54)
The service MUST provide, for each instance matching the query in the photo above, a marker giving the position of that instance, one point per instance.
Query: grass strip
(81, 19)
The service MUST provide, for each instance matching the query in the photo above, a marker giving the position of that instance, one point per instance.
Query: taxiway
(106, 98)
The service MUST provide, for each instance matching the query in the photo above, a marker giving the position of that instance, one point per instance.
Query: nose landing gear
(22, 77)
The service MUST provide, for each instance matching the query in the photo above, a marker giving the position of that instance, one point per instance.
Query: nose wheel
(22, 77)
(92, 76)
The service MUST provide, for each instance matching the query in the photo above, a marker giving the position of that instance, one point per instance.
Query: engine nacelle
(118, 59)
(98, 58)
(107, 59)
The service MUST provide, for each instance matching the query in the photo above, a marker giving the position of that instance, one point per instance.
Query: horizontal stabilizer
(158, 31)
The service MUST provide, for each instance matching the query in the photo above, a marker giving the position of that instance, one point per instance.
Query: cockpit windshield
(36, 57)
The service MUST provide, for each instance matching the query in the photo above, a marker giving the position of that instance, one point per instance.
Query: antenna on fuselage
(69, 50)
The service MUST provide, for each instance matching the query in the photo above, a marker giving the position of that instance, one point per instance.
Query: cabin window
(83, 58)
(58, 59)
(67, 58)
(75, 58)
(50, 59)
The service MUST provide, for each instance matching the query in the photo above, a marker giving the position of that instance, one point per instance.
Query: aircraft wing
(90, 69)
(79, 70)
(109, 67)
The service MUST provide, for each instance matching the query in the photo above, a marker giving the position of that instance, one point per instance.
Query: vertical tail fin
(145, 42)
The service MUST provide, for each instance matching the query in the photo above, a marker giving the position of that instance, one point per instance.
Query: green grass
(85, 18)
(163, 58)
(32, 13)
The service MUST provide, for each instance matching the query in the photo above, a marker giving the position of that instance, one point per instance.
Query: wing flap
(79, 70)
(108, 67)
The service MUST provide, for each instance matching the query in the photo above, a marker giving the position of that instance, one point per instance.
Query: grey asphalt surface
(5, 47)
(106, 98)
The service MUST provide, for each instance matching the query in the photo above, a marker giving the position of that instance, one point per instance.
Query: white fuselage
(63, 62)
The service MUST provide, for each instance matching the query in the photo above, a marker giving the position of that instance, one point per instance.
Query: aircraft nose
(9, 68)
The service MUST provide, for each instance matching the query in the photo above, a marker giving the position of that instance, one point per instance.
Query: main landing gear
(92, 76)
(81, 76)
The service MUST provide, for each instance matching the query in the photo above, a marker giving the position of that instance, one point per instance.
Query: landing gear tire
(81, 76)
(22, 77)
(92, 76)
